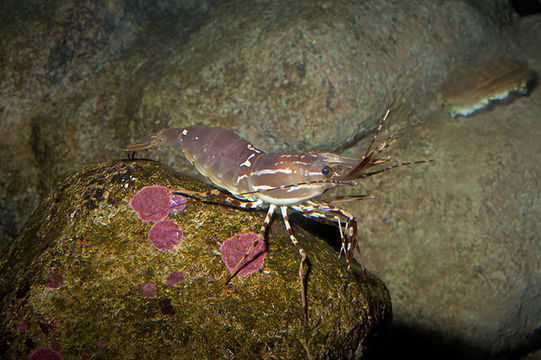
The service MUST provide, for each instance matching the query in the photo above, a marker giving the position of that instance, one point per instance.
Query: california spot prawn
(284, 180)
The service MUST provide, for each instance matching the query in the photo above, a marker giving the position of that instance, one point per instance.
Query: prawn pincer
(256, 179)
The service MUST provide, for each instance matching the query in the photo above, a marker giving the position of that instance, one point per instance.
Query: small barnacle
(48, 325)
(21, 327)
(473, 86)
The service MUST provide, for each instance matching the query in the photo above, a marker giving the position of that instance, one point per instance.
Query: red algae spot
(178, 203)
(152, 203)
(45, 353)
(149, 289)
(234, 248)
(48, 325)
(165, 235)
(21, 327)
(175, 277)
(55, 280)
(118, 166)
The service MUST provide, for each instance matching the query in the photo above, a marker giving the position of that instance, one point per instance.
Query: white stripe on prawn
(290, 179)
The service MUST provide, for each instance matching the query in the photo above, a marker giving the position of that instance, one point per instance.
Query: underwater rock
(115, 299)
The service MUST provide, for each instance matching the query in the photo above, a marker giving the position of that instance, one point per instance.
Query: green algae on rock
(86, 233)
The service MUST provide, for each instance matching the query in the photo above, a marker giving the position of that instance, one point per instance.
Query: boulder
(86, 279)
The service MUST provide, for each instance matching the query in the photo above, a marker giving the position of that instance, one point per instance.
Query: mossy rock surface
(73, 281)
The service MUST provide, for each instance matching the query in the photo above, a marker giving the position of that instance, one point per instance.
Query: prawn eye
(326, 171)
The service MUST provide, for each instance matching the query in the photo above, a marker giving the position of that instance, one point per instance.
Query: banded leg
(302, 266)
(325, 219)
(322, 210)
(260, 237)
(350, 230)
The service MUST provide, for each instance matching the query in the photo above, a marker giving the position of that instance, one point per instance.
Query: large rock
(298, 75)
(84, 280)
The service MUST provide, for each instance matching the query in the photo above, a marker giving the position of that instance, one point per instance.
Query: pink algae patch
(45, 353)
(21, 327)
(234, 248)
(48, 325)
(178, 203)
(165, 235)
(55, 281)
(148, 289)
(175, 277)
(152, 203)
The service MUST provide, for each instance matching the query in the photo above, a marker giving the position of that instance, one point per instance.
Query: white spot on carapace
(250, 147)
(247, 163)
(185, 132)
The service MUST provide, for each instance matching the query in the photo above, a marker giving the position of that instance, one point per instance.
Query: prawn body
(249, 174)
(256, 179)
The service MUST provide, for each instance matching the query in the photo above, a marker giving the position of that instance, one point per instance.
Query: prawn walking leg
(302, 266)
(319, 210)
